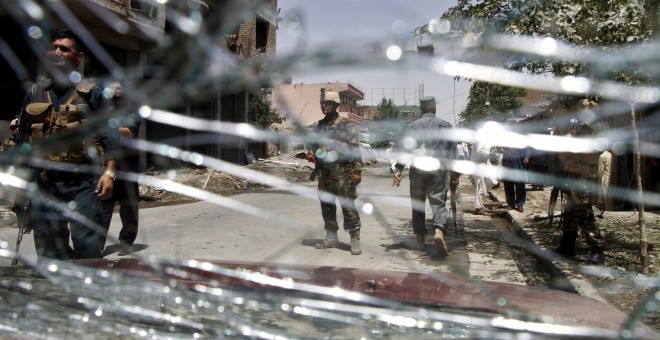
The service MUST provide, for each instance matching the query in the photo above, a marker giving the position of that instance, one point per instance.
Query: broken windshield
(286, 169)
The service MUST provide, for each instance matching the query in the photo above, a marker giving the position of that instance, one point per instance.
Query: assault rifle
(454, 199)
(23, 228)
(312, 176)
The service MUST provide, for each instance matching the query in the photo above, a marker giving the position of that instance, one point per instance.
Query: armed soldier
(54, 108)
(339, 166)
(579, 172)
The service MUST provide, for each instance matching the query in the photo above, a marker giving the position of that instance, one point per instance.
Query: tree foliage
(491, 102)
(613, 25)
(388, 122)
(261, 112)
(387, 110)
(580, 22)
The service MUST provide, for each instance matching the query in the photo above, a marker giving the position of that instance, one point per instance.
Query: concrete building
(300, 102)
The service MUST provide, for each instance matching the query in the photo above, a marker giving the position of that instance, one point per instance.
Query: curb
(570, 279)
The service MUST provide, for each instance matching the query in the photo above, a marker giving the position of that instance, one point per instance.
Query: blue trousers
(431, 185)
(515, 191)
(53, 227)
(127, 194)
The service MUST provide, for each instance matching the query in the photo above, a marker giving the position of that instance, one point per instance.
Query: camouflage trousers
(335, 185)
(579, 216)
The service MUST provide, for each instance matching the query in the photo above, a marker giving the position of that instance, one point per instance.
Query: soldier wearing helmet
(10, 142)
(336, 154)
(579, 171)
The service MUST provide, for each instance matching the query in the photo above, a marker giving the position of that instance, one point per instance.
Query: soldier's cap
(14, 123)
(427, 100)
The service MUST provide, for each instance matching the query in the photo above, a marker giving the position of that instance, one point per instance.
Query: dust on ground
(285, 166)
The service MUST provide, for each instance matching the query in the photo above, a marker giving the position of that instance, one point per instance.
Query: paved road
(274, 225)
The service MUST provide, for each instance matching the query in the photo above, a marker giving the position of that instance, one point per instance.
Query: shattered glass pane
(227, 160)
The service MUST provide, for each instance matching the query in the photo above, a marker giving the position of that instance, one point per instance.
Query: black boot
(567, 244)
(597, 255)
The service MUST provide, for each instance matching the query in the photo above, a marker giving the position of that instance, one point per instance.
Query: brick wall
(248, 32)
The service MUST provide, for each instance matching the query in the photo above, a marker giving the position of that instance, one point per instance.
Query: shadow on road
(116, 248)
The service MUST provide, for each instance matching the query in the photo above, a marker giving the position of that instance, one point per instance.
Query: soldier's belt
(58, 175)
(343, 165)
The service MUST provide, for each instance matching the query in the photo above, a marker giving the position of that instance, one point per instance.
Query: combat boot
(567, 244)
(439, 240)
(355, 243)
(421, 242)
(330, 241)
(597, 255)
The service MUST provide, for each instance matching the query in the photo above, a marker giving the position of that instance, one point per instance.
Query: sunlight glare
(394, 53)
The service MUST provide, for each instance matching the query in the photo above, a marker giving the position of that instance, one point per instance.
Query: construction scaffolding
(400, 96)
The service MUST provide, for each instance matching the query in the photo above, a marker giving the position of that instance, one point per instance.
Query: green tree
(491, 101)
(387, 123)
(387, 110)
(614, 25)
(260, 111)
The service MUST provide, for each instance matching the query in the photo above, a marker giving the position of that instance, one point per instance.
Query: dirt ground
(285, 166)
(619, 280)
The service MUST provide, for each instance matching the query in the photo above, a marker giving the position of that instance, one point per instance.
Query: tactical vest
(46, 120)
(345, 151)
(582, 167)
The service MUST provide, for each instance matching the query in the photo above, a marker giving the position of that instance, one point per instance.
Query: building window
(146, 7)
(261, 38)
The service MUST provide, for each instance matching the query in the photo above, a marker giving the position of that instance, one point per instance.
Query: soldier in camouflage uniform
(339, 167)
(579, 172)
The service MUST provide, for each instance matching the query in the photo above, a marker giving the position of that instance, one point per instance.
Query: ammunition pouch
(38, 112)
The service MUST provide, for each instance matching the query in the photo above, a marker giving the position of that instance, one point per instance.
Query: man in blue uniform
(514, 188)
(126, 192)
(429, 176)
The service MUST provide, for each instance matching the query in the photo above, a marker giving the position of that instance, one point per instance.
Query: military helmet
(14, 123)
(331, 96)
